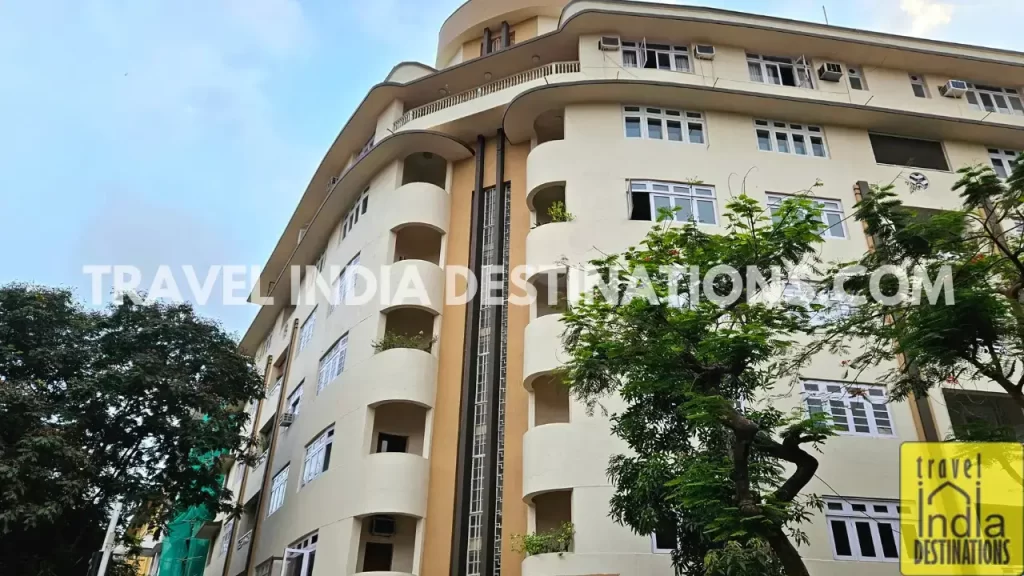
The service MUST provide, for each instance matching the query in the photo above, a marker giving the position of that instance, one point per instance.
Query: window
(662, 124)
(496, 40)
(831, 214)
(856, 79)
(775, 136)
(391, 443)
(344, 284)
(656, 56)
(663, 541)
(918, 86)
(994, 99)
(863, 530)
(225, 536)
(300, 557)
(318, 456)
(1003, 161)
(276, 387)
(989, 412)
(295, 399)
(332, 363)
(320, 261)
(277, 490)
(911, 152)
(780, 70)
(358, 208)
(853, 408)
(691, 202)
(306, 334)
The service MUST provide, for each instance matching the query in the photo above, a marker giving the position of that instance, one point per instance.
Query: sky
(181, 132)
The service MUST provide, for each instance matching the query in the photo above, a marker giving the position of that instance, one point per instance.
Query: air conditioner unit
(704, 51)
(609, 43)
(953, 89)
(287, 419)
(382, 526)
(830, 71)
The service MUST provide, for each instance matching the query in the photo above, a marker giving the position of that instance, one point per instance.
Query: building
(426, 461)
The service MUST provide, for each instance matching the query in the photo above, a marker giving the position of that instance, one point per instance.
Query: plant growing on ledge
(555, 540)
(713, 467)
(558, 213)
(391, 340)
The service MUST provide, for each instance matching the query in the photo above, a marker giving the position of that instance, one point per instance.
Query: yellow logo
(962, 509)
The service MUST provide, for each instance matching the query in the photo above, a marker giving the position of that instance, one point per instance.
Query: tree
(979, 250)
(126, 404)
(712, 462)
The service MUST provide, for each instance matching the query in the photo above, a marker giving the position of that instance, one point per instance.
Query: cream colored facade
(413, 151)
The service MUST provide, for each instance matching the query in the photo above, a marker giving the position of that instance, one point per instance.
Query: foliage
(558, 213)
(101, 406)
(392, 340)
(982, 335)
(555, 540)
(720, 478)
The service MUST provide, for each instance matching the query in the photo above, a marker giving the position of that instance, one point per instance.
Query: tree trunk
(792, 563)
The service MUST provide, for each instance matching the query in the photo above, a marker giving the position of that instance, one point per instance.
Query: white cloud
(926, 16)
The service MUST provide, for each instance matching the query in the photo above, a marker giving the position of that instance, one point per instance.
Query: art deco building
(427, 460)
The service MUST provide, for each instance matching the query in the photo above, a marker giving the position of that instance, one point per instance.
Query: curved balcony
(576, 564)
(394, 483)
(419, 203)
(469, 20)
(546, 166)
(549, 245)
(399, 375)
(565, 456)
(404, 281)
(544, 352)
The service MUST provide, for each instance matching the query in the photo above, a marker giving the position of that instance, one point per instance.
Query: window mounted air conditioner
(830, 71)
(382, 526)
(953, 89)
(287, 419)
(704, 51)
(609, 43)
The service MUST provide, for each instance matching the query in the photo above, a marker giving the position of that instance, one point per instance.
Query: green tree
(979, 248)
(105, 406)
(726, 480)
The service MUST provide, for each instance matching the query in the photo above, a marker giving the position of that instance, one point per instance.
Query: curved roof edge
(410, 66)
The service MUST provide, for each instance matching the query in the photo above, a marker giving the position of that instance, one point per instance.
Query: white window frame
(975, 99)
(225, 537)
(805, 133)
(332, 363)
(352, 217)
(872, 516)
(857, 73)
(303, 552)
(278, 487)
(276, 388)
(308, 327)
(654, 546)
(315, 462)
(679, 59)
(828, 206)
(295, 399)
(678, 194)
(1008, 158)
(646, 114)
(803, 75)
(918, 80)
(835, 400)
(344, 284)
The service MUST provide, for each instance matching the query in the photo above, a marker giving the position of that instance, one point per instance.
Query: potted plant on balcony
(558, 213)
(557, 540)
(391, 340)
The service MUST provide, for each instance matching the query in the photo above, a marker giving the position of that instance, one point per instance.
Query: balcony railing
(486, 89)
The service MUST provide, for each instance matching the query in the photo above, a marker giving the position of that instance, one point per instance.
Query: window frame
(802, 71)
(640, 49)
(307, 330)
(807, 132)
(317, 451)
(645, 114)
(838, 392)
(357, 209)
(278, 489)
(344, 284)
(1009, 95)
(294, 399)
(858, 74)
(225, 537)
(941, 144)
(1008, 157)
(918, 80)
(336, 353)
(775, 199)
(871, 516)
(676, 195)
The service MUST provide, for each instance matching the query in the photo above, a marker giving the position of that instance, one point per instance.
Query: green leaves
(556, 540)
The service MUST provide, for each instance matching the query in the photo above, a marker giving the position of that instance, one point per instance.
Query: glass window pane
(682, 63)
(675, 130)
(972, 99)
(633, 128)
(889, 548)
(654, 128)
(755, 72)
(659, 203)
(841, 538)
(705, 211)
(629, 59)
(764, 140)
(782, 142)
(685, 213)
(867, 545)
(986, 102)
(695, 132)
(773, 74)
(997, 164)
(818, 146)
(799, 146)
(1015, 103)
(1001, 102)
(664, 62)
(835, 223)
(918, 90)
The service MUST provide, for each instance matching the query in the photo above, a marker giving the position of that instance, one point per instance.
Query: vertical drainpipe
(271, 452)
(245, 474)
(486, 48)
(504, 43)
(920, 407)
(490, 460)
(465, 449)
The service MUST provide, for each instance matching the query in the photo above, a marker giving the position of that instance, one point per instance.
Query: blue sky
(148, 132)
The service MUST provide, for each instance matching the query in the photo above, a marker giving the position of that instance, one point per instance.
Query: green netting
(182, 553)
